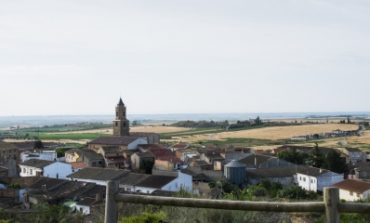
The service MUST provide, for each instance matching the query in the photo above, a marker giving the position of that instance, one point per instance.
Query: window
(31, 171)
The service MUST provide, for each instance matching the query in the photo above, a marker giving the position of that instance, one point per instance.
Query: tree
(258, 121)
(38, 144)
(293, 156)
(316, 158)
(146, 217)
(348, 120)
(334, 162)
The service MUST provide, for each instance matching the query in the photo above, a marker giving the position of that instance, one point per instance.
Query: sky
(76, 57)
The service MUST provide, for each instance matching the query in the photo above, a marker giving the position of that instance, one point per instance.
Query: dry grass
(273, 133)
(144, 128)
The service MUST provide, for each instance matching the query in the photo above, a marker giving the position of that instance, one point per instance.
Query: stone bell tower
(121, 126)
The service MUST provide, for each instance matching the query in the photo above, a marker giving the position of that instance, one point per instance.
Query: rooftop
(99, 174)
(36, 163)
(312, 171)
(353, 185)
(144, 180)
(114, 140)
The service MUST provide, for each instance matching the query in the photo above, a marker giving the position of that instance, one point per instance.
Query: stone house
(353, 190)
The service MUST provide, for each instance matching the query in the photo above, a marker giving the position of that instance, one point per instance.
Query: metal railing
(331, 206)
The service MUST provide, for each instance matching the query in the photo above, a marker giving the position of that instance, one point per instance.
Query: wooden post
(111, 210)
(331, 199)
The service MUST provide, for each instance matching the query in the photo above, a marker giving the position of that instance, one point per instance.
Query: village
(32, 173)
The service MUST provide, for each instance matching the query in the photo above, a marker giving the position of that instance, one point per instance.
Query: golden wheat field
(273, 133)
(144, 128)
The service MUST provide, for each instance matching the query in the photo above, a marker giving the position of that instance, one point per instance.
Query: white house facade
(49, 155)
(353, 190)
(313, 179)
(34, 167)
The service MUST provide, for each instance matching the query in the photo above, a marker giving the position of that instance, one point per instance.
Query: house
(78, 166)
(315, 179)
(141, 160)
(165, 159)
(34, 167)
(122, 143)
(151, 138)
(284, 175)
(235, 154)
(214, 158)
(79, 196)
(89, 157)
(186, 154)
(99, 176)
(115, 150)
(353, 190)
(361, 171)
(4, 172)
(148, 184)
(8, 151)
(179, 146)
(256, 161)
(49, 155)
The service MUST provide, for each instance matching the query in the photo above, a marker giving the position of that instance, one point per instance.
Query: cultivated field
(271, 133)
(144, 128)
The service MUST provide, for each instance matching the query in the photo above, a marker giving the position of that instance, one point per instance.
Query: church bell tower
(121, 126)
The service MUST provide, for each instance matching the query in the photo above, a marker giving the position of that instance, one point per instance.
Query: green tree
(55, 214)
(146, 217)
(258, 121)
(334, 162)
(293, 156)
(316, 158)
(38, 144)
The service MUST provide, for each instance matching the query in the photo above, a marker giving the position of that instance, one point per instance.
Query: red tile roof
(79, 165)
(353, 185)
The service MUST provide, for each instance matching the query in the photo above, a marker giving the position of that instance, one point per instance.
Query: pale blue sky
(184, 56)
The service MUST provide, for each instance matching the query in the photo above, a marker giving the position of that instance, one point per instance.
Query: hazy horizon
(175, 57)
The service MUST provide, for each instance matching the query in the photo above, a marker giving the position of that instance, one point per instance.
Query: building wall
(352, 196)
(183, 181)
(44, 155)
(97, 182)
(58, 170)
(316, 184)
(85, 210)
(26, 171)
(9, 153)
(308, 183)
(134, 145)
(164, 165)
(135, 161)
(329, 179)
(73, 157)
(285, 181)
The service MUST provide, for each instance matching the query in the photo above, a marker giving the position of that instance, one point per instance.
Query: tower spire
(121, 126)
(120, 101)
